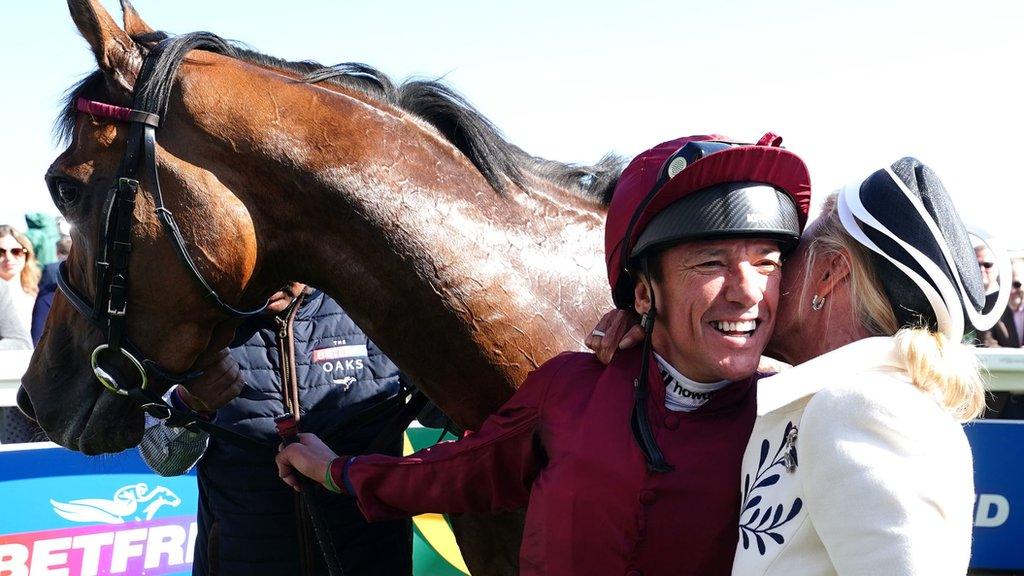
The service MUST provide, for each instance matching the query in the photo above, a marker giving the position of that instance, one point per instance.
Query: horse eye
(64, 192)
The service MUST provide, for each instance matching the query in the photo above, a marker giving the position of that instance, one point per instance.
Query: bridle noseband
(109, 308)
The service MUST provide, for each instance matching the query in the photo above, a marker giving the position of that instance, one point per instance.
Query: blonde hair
(949, 371)
(871, 306)
(31, 273)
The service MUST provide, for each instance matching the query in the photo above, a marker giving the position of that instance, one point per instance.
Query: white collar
(686, 382)
(799, 382)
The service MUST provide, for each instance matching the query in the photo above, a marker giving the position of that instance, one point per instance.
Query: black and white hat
(921, 251)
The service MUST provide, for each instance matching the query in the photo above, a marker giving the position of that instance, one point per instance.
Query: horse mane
(433, 101)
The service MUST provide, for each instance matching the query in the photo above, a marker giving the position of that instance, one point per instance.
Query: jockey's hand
(617, 330)
(220, 382)
(309, 457)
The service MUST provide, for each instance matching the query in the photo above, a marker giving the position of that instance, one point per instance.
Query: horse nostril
(25, 404)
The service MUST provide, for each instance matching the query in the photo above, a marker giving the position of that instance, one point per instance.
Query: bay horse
(467, 260)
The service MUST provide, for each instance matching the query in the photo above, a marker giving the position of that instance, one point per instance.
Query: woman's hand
(309, 456)
(617, 330)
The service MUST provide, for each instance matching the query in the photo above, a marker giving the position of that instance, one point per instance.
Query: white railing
(1005, 367)
(12, 366)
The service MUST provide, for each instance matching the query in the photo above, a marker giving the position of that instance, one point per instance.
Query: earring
(817, 302)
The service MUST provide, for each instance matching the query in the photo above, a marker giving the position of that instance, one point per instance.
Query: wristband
(329, 479)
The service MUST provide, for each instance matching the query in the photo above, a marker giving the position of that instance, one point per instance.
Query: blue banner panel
(64, 513)
(998, 447)
(74, 515)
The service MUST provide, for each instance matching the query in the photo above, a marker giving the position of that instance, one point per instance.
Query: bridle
(109, 308)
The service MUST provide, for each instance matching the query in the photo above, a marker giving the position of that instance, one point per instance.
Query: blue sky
(849, 85)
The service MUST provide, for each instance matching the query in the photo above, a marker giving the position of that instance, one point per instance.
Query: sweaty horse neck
(466, 289)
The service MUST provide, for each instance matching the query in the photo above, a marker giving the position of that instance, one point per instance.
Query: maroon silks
(562, 445)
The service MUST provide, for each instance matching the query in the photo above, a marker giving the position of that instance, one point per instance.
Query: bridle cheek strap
(110, 301)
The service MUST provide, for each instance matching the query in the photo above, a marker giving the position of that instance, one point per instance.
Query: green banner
(435, 552)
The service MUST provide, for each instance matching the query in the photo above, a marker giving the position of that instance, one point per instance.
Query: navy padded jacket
(246, 513)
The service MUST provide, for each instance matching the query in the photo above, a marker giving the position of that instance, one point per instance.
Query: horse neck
(467, 290)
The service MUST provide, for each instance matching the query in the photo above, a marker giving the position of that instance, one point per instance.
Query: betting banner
(998, 447)
(65, 514)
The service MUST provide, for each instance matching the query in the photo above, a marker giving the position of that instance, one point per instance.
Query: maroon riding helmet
(702, 187)
(694, 188)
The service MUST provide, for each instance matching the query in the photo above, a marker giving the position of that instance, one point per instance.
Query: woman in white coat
(857, 463)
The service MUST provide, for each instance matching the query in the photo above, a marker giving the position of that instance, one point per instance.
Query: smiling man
(633, 467)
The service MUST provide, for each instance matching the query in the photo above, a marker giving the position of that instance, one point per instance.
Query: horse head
(169, 319)
(467, 260)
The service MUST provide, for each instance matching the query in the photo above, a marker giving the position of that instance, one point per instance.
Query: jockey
(633, 466)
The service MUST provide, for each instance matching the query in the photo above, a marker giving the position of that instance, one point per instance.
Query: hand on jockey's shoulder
(220, 382)
(616, 330)
(308, 456)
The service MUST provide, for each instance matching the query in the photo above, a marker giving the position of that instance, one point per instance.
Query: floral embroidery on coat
(764, 521)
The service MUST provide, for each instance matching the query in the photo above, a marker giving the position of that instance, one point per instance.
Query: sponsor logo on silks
(123, 507)
(340, 362)
(687, 393)
(156, 547)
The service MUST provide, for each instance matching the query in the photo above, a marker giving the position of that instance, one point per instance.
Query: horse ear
(116, 54)
(134, 25)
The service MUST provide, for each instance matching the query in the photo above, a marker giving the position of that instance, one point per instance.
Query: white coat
(853, 470)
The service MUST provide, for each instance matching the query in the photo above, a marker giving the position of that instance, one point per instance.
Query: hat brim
(928, 271)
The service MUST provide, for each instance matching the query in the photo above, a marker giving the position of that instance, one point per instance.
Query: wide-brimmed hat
(920, 250)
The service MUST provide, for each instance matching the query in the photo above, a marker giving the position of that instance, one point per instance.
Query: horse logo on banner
(123, 507)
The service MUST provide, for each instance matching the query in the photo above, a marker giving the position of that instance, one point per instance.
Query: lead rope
(307, 501)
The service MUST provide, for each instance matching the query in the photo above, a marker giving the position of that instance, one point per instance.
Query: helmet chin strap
(640, 424)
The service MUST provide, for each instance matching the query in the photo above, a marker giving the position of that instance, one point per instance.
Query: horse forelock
(92, 87)
(500, 162)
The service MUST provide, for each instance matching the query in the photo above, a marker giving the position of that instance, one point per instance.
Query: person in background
(47, 288)
(19, 270)
(247, 518)
(12, 334)
(986, 265)
(633, 467)
(14, 427)
(1008, 332)
(43, 232)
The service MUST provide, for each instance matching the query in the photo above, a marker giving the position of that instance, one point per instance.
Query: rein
(307, 500)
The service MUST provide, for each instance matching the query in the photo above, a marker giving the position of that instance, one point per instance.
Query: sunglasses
(15, 252)
(1015, 284)
(986, 265)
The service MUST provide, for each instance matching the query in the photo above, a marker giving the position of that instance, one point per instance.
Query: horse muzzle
(25, 404)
